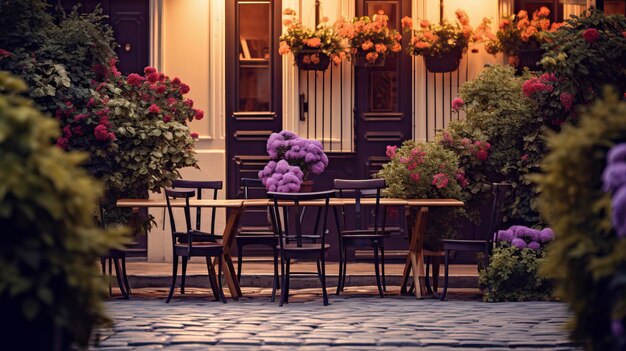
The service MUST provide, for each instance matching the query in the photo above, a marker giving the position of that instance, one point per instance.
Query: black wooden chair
(360, 236)
(198, 234)
(257, 235)
(116, 258)
(500, 193)
(292, 238)
(185, 245)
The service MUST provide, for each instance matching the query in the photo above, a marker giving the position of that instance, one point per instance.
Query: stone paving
(354, 321)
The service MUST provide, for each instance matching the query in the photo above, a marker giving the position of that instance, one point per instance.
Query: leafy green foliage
(585, 63)
(497, 109)
(586, 257)
(57, 57)
(49, 242)
(512, 275)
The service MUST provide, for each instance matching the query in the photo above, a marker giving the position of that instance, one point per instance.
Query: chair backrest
(174, 194)
(200, 185)
(359, 188)
(247, 183)
(500, 193)
(294, 202)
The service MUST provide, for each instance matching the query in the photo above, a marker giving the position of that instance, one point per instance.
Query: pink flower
(407, 22)
(152, 77)
(524, 157)
(160, 89)
(189, 102)
(457, 104)
(367, 45)
(67, 132)
(154, 109)
(415, 177)
(80, 116)
(391, 151)
(194, 135)
(535, 85)
(482, 155)
(167, 118)
(440, 180)
(78, 130)
(184, 88)
(371, 57)
(176, 81)
(4, 53)
(567, 100)
(198, 114)
(135, 80)
(149, 70)
(101, 133)
(63, 143)
(171, 101)
(591, 35)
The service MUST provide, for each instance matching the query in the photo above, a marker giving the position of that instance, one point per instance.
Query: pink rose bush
(292, 159)
(135, 129)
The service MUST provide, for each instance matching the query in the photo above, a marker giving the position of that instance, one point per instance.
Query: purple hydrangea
(617, 154)
(614, 176)
(505, 235)
(519, 243)
(546, 235)
(281, 177)
(619, 212)
(617, 329)
(534, 246)
(517, 231)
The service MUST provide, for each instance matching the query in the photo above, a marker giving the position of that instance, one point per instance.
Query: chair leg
(345, 267)
(283, 289)
(182, 279)
(436, 263)
(340, 275)
(125, 275)
(217, 291)
(110, 275)
(219, 272)
(239, 260)
(174, 274)
(120, 278)
(377, 270)
(323, 280)
(275, 282)
(382, 266)
(427, 260)
(287, 281)
(446, 272)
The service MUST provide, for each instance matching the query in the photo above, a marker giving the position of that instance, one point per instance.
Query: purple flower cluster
(281, 177)
(524, 237)
(614, 178)
(288, 149)
(305, 153)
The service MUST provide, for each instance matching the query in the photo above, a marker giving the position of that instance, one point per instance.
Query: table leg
(415, 257)
(229, 269)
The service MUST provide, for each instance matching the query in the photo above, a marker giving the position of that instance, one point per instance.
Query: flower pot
(445, 62)
(307, 186)
(530, 57)
(312, 60)
(361, 60)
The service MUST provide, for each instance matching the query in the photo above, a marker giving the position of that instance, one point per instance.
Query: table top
(234, 203)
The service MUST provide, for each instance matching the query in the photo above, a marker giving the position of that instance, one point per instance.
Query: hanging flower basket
(443, 63)
(530, 57)
(312, 60)
(361, 60)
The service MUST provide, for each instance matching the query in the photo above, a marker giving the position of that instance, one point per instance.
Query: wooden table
(415, 257)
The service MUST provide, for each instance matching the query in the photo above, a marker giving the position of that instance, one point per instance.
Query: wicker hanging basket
(447, 62)
(312, 60)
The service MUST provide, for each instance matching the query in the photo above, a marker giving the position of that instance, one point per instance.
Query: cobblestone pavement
(354, 321)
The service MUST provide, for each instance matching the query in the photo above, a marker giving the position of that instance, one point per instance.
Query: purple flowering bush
(512, 274)
(292, 159)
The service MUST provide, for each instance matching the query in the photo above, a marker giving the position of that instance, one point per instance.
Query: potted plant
(520, 37)
(292, 160)
(312, 49)
(370, 40)
(442, 45)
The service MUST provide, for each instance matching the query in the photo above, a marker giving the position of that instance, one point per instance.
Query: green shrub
(586, 257)
(49, 242)
(512, 275)
(497, 110)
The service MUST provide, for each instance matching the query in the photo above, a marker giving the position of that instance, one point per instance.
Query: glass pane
(254, 56)
(383, 82)
(254, 92)
(390, 10)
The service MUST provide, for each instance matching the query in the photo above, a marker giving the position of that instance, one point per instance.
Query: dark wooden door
(253, 86)
(130, 22)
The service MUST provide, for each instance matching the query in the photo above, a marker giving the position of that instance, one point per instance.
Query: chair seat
(198, 236)
(199, 249)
